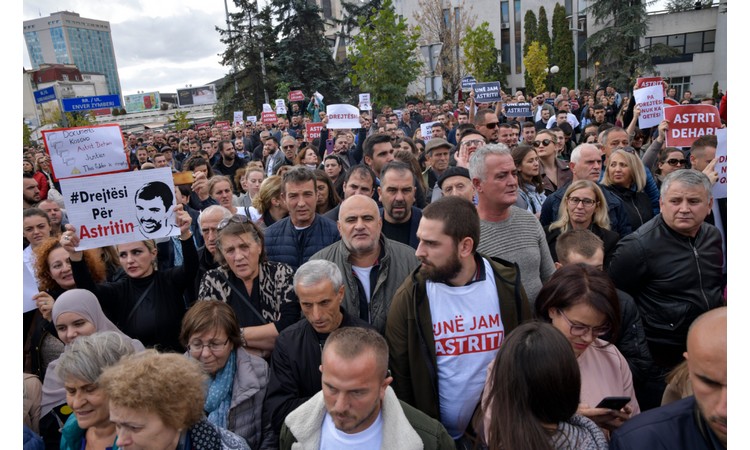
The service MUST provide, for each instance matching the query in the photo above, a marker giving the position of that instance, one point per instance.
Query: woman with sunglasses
(583, 207)
(625, 177)
(581, 302)
(670, 159)
(260, 292)
(530, 186)
(555, 172)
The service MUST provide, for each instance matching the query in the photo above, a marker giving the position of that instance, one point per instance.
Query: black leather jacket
(673, 278)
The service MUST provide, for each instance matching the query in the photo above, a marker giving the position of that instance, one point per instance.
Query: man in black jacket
(295, 363)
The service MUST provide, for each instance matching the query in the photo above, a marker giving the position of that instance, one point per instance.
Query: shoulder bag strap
(140, 300)
(242, 296)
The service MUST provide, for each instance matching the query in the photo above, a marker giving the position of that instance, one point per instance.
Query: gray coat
(395, 266)
(246, 408)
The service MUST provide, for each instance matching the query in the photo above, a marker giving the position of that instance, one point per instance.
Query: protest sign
(426, 130)
(689, 122)
(280, 106)
(268, 117)
(203, 125)
(82, 151)
(467, 82)
(342, 116)
(222, 124)
(649, 81)
(549, 101)
(671, 102)
(398, 113)
(252, 119)
(720, 187)
(651, 101)
(487, 92)
(238, 118)
(364, 102)
(267, 108)
(313, 131)
(30, 289)
(120, 208)
(296, 96)
(518, 110)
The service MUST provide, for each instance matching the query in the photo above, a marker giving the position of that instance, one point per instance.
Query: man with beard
(397, 193)
(153, 208)
(229, 163)
(448, 318)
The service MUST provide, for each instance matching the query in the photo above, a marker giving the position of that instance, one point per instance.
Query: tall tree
(562, 49)
(536, 62)
(529, 36)
(480, 54)
(384, 58)
(616, 46)
(446, 25)
(248, 34)
(542, 32)
(304, 58)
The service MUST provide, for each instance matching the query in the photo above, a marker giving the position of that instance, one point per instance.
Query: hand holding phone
(616, 403)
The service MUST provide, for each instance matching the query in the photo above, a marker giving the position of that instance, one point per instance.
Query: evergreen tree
(542, 32)
(384, 60)
(304, 58)
(562, 49)
(529, 36)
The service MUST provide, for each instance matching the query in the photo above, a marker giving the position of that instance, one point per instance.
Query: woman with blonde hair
(270, 203)
(625, 177)
(583, 207)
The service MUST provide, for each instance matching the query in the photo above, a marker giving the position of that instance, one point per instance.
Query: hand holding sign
(69, 241)
(183, 220)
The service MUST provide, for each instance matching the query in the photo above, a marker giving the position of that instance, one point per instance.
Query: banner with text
(252, 119)
(313, 131)
(238, 118)
(280, 106)
(689, 122)
(487, 92)
(364, 102)
(518, 110)
(296, 96)
(720, 187)
(651, 101)
(121, 208)
(149, 101)
(268, 117)
(201, 95)
(426, 129)
(649, 81)
(82, 151)
(342, 117)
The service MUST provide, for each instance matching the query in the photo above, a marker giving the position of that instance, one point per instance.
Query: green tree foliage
(562, 49)
(529, 36)
(304, 58)
(542, 31)
(251, 32)
(181, 121)
(617, 45)
(535, 62)
(384, 59)
(715, 91)
(480, 54)
(26, 135)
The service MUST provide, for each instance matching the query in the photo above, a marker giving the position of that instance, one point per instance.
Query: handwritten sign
(364, 102)
(296, 96)
(487, 92)
(651, 101)
(342, 117)
(720, 187)
(121, 208)
(81, 151)
(313, 131)
(426, 129)
(689, 122)
(518, 110)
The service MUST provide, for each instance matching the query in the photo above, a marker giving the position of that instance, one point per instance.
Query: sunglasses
(674, 162)
(237, 218)
(286, 147)
(491, 125)
(544, 143)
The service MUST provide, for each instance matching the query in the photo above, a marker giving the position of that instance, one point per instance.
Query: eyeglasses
(491, 125)
(583, 330)
(544, 143)
(473, 142)
(237, 218)
(197, 347)
(674, 162)
(587, 202)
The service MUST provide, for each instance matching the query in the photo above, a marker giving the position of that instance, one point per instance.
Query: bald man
(373, 265)
(698, 421)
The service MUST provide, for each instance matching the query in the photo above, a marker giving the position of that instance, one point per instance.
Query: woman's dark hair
(580, 283)
(195, 161)
(333, 197)
(663, 156)
(209, 315)
(519, 153)
(411, 160)
(534, 380)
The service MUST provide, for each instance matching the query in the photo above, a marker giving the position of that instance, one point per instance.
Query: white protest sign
(280, 106)
(267, 107)
(30, 289)
(342, 117)
(252, 119)
(364, 102)
(238, 118)
(399, 113)
(318, 96)
(92, 150)
(426, 130)
(720, 187)
(120, 208)
(651, 101)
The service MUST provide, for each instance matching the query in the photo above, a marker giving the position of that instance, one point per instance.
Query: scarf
(219, 395)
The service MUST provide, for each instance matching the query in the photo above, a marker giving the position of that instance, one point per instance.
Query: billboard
(149, 101)
(201, 95)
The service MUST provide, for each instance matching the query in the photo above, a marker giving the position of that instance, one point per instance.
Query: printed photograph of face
(154, 204)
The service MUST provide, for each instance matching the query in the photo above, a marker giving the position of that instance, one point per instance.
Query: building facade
(67, 38)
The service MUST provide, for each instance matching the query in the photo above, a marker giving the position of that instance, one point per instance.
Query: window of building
(681, 84)
(685, 44)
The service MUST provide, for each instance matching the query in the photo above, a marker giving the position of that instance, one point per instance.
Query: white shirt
(333, 439)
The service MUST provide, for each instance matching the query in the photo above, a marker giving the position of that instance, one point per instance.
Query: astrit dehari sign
(120, 208)
(689, 122)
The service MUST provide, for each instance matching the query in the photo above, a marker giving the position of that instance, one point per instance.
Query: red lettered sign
(689, 122)
(296, 96)
(313, 131)
(223, 124)
(649, 81)
(268, 117)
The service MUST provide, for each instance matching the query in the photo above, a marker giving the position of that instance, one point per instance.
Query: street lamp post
(550, 71)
